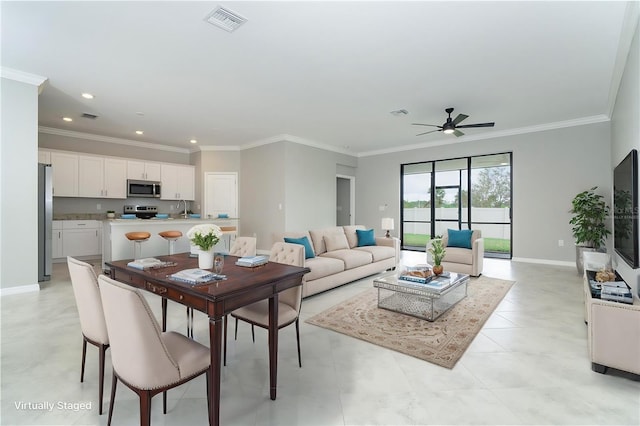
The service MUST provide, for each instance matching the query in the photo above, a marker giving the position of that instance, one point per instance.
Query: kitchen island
(116, 246)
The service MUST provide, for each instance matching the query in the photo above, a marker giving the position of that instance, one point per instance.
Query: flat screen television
(625, 209)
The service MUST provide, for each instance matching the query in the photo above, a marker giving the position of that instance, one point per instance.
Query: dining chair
(94, 330)
(243, 246)
(289, 301)
(144, 358)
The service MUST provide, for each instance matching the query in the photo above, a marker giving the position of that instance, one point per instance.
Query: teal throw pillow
(365, 237)
(461, 238)
(308, 251)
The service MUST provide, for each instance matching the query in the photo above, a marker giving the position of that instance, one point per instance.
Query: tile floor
(528, 366)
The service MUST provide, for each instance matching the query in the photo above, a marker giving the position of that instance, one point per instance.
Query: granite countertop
(103, 216)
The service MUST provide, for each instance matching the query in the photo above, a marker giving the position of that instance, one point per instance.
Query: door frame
(352, 196)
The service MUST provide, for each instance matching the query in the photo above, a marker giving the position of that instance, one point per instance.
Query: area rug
(442, 342)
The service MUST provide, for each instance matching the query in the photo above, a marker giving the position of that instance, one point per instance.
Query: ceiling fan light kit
(451, 126)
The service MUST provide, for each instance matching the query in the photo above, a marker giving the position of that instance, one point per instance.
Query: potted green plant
(590, 212)
(438, 251)
(111, 214)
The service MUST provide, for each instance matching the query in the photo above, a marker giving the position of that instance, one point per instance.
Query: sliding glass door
(460, 193)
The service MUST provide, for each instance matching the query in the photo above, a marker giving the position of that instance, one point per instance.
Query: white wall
(549, 169)
(19, 184)
(625, 131)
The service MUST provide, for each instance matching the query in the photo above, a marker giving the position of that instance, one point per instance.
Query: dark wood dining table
(242, 286)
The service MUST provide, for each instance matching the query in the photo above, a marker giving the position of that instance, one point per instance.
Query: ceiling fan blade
(420, 124)
(476, 125)
(426, 133)
(458, 133)
(459, 118)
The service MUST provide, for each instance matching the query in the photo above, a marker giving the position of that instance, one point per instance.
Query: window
(460, 193)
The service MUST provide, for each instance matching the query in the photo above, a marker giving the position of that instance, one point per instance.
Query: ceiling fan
(451, 126)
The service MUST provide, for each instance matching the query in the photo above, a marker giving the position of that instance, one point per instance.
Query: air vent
(89, 116)
(225, 19)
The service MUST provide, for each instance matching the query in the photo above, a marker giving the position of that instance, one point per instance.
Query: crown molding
(24, 77)
(109, 139)
(218, 148)
(295, 139)
(492, 135)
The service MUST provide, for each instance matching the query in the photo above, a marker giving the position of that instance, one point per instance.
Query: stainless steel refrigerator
(45, 221)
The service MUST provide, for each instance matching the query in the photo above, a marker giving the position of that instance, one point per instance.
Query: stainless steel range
(142, 212)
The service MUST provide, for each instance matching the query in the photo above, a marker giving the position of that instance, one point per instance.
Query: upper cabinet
(178, 182)
(143, 170)
(102, 177)
(64, 169)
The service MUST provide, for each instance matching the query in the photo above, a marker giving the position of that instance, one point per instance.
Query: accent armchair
(464, 260)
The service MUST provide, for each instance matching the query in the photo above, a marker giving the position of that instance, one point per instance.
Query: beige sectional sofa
(338, 259)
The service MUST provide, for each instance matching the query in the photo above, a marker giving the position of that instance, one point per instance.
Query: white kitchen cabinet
(81, 238)
(44, 157)
(102, 177)
(56, 239)
(178, 182)
(143, 170)
(64, 168)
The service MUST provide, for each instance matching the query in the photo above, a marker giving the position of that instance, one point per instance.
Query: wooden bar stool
(138, 238)
(171, 237)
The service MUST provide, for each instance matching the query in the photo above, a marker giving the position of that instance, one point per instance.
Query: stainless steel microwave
(143, 189)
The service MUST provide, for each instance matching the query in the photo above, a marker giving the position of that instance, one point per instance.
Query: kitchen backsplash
(87, 208)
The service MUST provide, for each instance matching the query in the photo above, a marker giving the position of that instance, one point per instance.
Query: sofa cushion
(303, 241)
(350, 232)
(459, 238)
(378, 252)
(335, 242)
(459, 255)
(352, 258)
(321, 267)
(366, 237)
(317, 237)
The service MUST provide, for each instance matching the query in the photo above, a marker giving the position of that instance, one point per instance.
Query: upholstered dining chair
(244, 246)
(144, 358)
(94, 330)
(289, 301)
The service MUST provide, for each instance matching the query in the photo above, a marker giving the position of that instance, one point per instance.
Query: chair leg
(190, 323)
(164, 402)
(164, 314)
(114, 382)
(253, 334)
(224, 356)
(103, 349)
(236, 338)
(145, 408)
(84, 355)
(298, 339)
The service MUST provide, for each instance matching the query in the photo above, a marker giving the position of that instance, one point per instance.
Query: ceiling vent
(225, 19)
(89, 116)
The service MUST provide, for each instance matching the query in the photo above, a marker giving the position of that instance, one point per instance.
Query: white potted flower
(205, 237)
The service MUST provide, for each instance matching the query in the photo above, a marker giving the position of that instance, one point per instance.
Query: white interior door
(221, 194)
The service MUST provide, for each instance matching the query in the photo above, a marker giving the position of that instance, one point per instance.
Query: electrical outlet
(560, 243)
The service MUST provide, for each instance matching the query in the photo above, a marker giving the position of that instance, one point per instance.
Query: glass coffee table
(426, 301)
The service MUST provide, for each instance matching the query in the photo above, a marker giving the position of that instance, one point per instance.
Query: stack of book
(149, 263)
(194, 276)
(251, 261)
(617, 291)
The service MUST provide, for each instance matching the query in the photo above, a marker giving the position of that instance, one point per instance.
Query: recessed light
(193, 141)
(139, 132)
(87, 95)
(67, 118)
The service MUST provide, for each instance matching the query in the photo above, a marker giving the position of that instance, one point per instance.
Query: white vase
(205, 259)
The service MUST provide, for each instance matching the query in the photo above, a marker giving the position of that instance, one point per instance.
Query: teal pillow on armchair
(459, 238)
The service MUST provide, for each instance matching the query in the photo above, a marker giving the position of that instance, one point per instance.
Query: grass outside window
(496, 245)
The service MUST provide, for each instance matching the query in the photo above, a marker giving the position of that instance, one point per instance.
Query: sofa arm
(390, 242)
(478, 256)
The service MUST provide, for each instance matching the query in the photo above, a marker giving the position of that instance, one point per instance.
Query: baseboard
(543, 261)
(18, 290)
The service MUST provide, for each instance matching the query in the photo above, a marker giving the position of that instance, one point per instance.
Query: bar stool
(171, 237)
(138, 238)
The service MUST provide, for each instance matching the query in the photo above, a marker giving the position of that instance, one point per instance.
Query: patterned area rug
(441, 342)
